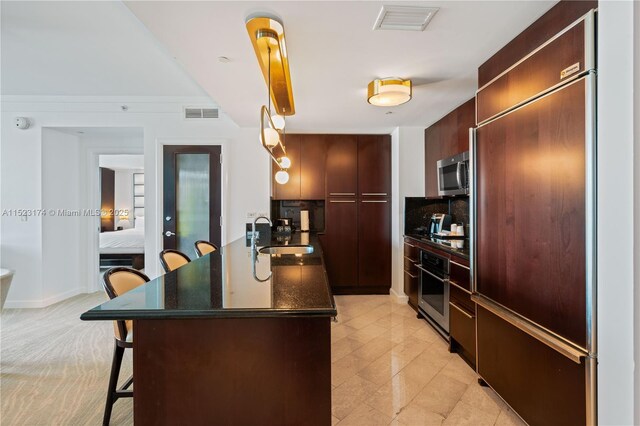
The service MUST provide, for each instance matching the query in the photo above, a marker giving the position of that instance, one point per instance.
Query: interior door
(530, 189)
(192, 196)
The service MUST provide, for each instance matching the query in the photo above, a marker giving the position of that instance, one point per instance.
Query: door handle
(169, 234)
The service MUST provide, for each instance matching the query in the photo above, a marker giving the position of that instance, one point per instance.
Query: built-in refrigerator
(534, 231)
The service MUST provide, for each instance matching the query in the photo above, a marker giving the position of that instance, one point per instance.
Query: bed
(124, 247)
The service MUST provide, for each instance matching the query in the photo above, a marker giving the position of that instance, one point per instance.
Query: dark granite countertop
(224, 284)
(444, 245)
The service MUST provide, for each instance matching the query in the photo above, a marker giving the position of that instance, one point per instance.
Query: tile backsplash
(418, 211)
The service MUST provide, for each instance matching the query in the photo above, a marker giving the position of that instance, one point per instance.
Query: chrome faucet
(254, 234)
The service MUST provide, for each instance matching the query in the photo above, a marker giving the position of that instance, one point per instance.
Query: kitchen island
(232, 338)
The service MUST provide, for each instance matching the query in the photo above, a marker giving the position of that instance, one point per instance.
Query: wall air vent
(191, 113)
(404, 18)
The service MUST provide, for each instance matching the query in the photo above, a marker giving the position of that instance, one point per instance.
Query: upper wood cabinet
(291, 189)
(313, 155)
(342, 165)
(445, 138)
(374, 165)
(562, 59)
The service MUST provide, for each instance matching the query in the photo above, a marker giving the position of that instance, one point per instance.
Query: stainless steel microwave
(453, 175)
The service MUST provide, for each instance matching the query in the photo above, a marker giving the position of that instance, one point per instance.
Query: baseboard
(400, 298)
(41, 303)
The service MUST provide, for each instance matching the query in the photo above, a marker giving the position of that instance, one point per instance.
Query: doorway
(192, 196)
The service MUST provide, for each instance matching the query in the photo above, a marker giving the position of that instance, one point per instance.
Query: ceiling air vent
(404, 18)
(191, 113)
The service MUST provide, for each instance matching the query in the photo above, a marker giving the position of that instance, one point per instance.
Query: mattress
(121, 242)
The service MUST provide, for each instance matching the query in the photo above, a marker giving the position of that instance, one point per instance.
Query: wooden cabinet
(341, 165)
(374, 244)
(518, 366)
(462, 311)
(445, 138)
(374, 165)
(291, 189)
(531, 215)
(313, 154)
(411, 272)
(564, 58)
(340, 242)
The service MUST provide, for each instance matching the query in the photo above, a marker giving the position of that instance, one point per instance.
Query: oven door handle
(459, 174)
(431, 273)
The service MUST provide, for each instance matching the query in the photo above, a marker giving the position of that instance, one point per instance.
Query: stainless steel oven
(433, 297)
(453, 175)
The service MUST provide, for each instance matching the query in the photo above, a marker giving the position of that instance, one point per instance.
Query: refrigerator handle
(555, 343)
(471, 181)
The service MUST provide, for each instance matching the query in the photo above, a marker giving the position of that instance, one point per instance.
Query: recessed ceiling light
(80, 132)
(223, 59)
(389, 112)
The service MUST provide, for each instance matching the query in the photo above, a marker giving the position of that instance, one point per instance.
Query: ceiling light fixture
(389, 92)
(267, 37)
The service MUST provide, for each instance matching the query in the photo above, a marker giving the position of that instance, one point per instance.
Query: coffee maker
(439, 222)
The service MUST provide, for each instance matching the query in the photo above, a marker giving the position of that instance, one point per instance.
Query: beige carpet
(54, 368)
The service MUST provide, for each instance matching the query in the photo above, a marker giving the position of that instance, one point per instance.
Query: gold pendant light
(267, 37)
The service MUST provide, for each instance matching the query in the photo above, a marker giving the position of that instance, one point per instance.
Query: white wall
(408, 181)
(615, 300)
(60, 190)
(245, 171)
(636, 104)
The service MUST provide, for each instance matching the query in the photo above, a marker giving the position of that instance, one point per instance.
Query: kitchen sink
(287, 250)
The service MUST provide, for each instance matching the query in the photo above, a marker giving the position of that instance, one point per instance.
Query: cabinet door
(530, 188)
(340, 242)
(411, 283)
(374, 165)
(342, 165)
(291, 189)
(565, 57)
(432, 153)
(374, 243)
(466, 117)
(313, 154)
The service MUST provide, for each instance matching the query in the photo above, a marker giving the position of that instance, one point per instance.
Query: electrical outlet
(252, 215)
(263, 214)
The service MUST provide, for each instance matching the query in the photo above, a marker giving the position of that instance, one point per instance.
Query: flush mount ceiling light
(389, 92)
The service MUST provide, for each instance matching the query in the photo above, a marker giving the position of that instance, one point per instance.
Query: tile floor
(390, 368)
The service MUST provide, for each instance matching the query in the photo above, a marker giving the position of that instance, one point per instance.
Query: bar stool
(204, 247)
(173, 259)
(116, 282)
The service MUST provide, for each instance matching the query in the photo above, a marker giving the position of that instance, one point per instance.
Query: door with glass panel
(192, 196)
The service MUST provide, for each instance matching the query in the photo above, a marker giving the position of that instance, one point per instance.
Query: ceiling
(84, 49)
(334, 54)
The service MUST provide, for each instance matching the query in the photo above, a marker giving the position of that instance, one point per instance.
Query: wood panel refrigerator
(533, 254)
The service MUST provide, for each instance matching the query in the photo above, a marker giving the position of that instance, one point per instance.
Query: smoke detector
(404, 18)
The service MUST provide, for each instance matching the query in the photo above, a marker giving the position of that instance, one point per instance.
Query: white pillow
(139, 223)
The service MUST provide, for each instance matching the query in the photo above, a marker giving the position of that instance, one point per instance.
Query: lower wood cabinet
(462, 311)
(340, 242)
(374, 245)
(411, 272)
(543, 386)
(357, 245)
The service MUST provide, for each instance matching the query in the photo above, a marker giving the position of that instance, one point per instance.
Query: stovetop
(460, 247)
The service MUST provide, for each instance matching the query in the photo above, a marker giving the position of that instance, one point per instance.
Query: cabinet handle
(459, 286)
(411, 260)
(374, 201)
(342, 201)
(410, 245)
(374, 194)
(410, 274)
(459, 264)
(343, 193)
(462, 311)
